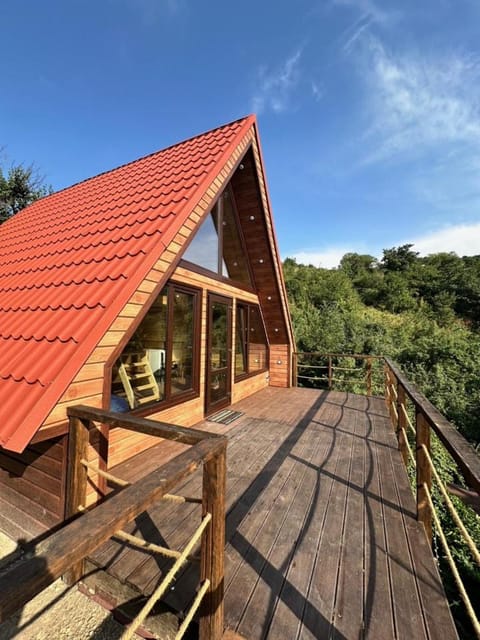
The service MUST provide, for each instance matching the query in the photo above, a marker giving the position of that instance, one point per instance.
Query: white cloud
(419, 104)
(274, 87)
(463, 239)
(328, 258)
(371, 10)
(354, 34)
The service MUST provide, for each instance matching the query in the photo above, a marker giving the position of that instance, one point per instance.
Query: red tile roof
(70, 262)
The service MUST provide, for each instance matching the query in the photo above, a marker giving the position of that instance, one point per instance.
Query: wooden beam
(77, 477)
(402, 423)
(369, 377)
(185, 435)
(424, 474)
(213, 548)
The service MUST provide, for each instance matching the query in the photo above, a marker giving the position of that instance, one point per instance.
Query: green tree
(399, 258)
(19, 187)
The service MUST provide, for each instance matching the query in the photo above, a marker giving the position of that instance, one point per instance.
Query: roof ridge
(147, 155)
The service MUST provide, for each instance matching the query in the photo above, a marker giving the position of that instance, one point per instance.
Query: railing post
(402, 422)
(388, 391)
(330, 372)
(424, 473)
(76, 492)
(295, 369)
(213, 547)
(369, 376)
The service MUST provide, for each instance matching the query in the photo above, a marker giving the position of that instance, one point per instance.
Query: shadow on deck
(322, 540)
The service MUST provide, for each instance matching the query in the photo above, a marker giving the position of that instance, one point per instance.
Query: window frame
(189, 394)
(249, 374)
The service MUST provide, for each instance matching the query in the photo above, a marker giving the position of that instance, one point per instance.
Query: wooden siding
(256, 226)
(247, 387)
(32, 488)
(280, 365)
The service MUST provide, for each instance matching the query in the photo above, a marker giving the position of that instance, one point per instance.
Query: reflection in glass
(203, 250)
(241, 341)
(251, 346)
(158, 362)
(152, 335)
(257, 342)
(234, 259)
(217, 245)
(182, 343)
(219, 340)
(218, 386)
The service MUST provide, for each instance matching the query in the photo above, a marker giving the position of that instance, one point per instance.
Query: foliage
(19, 187)
(424, 312)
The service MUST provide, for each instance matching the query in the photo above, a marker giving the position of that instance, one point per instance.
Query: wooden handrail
(359, 356)
(460, 450)
(185, 435)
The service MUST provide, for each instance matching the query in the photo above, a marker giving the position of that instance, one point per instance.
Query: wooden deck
(322, 540)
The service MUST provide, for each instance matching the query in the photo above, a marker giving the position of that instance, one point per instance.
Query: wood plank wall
(32, 488)
(280, 365)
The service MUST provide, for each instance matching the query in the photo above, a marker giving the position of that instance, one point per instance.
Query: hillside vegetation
(424, 312)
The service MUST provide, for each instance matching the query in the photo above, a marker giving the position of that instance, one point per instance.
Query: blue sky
(369, 111)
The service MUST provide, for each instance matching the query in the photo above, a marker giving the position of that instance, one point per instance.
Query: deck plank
(322, 540)
(378, 610)
(348, 612)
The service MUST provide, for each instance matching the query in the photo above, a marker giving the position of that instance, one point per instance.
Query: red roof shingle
(70, 262)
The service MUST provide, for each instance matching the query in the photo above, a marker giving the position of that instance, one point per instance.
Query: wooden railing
(64, 552)
(357, 372)
(417, 424)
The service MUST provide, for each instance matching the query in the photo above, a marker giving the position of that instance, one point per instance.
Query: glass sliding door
(219, 353)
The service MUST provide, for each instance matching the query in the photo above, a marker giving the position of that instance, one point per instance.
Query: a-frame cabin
(154, 288)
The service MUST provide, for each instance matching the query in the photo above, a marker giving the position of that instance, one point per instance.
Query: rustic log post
(78, 439)
(213, 547)
(388, 392)
(402, 423)
(295, 369)
(330, 376)
(394, 394)
(424, 473)
(369, 376)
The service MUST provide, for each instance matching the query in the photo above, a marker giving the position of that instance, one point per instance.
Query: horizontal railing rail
(328, 370)
(65, 551)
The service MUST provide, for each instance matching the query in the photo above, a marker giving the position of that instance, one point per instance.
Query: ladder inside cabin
(137, 378)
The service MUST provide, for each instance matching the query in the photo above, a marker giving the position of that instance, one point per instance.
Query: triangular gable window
(218, 244)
